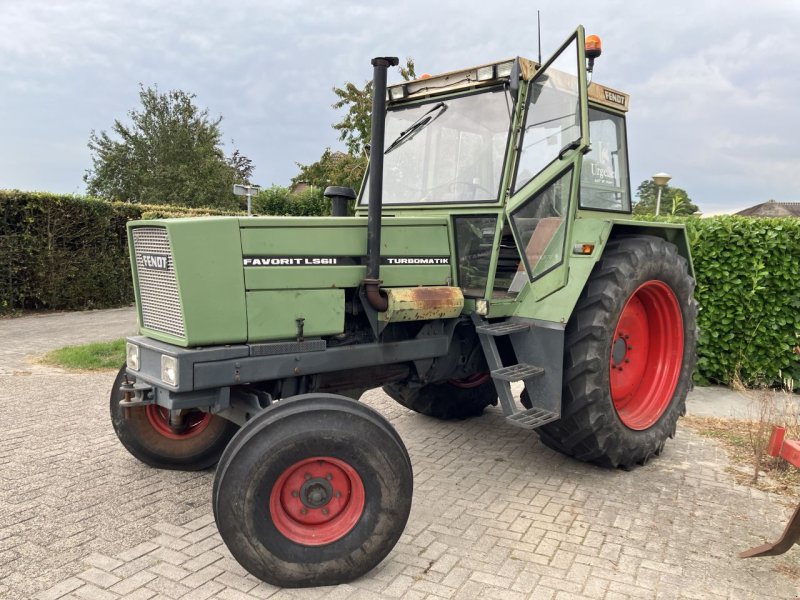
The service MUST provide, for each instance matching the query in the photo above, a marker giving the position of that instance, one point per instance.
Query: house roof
(772, 209)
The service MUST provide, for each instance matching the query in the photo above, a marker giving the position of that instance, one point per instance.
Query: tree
(674, 201)
(355, 128)
(171, 153)
(333, 168)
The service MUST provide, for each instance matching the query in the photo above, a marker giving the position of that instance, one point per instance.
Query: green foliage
(355, 127)
(333, 168)
(94, 356)
(748, 287)
(61, 252)
(674, 201)
(279, 200)
(170, 154)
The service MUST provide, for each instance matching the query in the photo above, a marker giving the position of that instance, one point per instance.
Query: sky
(713, 84)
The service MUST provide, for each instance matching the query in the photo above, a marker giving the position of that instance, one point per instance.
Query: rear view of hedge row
(748, 287)
(67, 252)
(61, 252)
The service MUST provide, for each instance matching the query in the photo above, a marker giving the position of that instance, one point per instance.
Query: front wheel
(315, 490)
(147, 433)
(629, 354)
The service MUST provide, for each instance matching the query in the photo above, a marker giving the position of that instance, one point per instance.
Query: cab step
(503, 375)
(532, 418)
(518, 372)
(502, 328)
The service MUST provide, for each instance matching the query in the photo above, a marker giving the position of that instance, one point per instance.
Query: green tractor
(491, 243)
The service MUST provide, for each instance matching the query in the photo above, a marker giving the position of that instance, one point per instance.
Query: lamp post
(661, 180)
(246, 190)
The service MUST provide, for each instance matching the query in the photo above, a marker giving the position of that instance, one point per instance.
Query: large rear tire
(146, 433)
(629, 354)
(315, 490)
(454, 399)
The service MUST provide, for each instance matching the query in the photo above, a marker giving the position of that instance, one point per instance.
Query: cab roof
(491, 74)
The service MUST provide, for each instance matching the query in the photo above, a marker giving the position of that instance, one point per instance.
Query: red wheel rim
(471, 381)
(646, 355)
(194, 422)
(317, 500)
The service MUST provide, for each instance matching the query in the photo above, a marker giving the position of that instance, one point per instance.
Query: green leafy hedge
(748, 287)
(63, 252)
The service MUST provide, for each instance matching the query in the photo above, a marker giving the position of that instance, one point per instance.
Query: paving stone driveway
(495, 514)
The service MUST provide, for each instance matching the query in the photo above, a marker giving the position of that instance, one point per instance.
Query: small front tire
(146, 433)
(315, 490)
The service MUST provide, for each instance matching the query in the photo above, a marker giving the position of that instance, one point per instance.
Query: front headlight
(132, 356)
(169, 370)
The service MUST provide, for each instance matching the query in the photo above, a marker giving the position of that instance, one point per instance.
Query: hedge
(748, 288)
(69, 252)
(63, 252)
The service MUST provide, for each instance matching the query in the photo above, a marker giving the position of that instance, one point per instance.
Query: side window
(604, 175)
(540, 227)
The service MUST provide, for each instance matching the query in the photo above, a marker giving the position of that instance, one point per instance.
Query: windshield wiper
(417, 126)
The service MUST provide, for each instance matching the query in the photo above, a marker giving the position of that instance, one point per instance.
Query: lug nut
(630, 347)
(329, 476)
(303, 511)
(295, 494)
(627, 360)
(338, 494)
(307, 476)
(324, 511)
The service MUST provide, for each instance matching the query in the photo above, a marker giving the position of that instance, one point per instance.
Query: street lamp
(661, 180)
(246, 190)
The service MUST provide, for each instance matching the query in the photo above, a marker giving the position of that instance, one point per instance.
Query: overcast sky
(714, 84)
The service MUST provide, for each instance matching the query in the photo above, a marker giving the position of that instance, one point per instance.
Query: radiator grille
(158, 287)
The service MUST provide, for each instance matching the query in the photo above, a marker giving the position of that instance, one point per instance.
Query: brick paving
(495, 514)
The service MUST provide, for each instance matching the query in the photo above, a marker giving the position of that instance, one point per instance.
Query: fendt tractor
(491, 243)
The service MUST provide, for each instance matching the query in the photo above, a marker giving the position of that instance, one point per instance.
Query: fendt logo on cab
(614, 97)
(155, 261)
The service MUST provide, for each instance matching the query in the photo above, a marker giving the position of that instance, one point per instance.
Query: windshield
(450, 151)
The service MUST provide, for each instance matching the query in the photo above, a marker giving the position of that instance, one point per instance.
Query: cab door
(544, 192)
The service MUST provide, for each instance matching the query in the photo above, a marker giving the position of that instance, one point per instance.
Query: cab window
(604, 175)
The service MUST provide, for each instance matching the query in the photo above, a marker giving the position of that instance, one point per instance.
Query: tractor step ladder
(503, 375)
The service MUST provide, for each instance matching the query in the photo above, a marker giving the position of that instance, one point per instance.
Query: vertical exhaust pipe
(372, 282)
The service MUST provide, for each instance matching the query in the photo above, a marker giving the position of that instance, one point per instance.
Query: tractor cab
(512, 151)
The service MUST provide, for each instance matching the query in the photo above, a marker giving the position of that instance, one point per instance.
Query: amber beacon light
(594, 48)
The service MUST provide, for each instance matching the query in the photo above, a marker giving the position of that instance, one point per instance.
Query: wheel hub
(180, 425)
(618, 351)
(317, 500)
(316, 492)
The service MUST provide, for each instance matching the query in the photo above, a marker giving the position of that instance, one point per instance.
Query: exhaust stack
(372, 281)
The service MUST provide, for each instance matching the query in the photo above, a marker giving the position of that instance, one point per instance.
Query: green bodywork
(226, 300)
